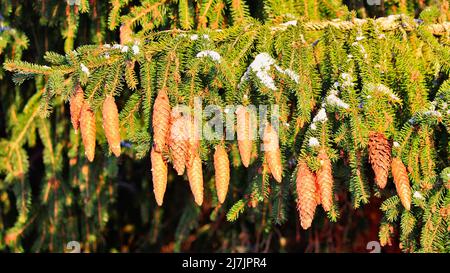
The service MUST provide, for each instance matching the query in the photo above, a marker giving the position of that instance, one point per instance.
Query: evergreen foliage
(334, 81)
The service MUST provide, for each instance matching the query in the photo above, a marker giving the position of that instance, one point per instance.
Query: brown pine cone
(159, 175)
(88, 130)
(306, 192)
(76, 103)
(379, 157)
(195, 176)
(161, 120)
(193, 144)
(272, 152)
(178, 142)
(243, 129)
(325, 181)
(401, 181)
(222, 172)
(111, 124)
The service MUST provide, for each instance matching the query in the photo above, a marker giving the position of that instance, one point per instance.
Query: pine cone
(272, 152)
(111, 124)
(195, 176)
(243, 128)
(193, 143)
(178, 142)
(222, 172)
(159, 175)
(87, 127)
(379, 157)
(325, 181)
(401, 181)
(161, 120)
(306, 192)
(76, 103)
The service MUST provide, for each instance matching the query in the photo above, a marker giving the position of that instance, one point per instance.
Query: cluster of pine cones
(83, 118)
(175, 137)
(317, 188)
(314, 188)
(380, 159)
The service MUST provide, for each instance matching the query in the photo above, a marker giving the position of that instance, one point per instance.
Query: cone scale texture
(193, 143)
(379, 157)
(401, 181)
(195, 176)
(111, 124)
(161, 120)
(88, 130)
(306, 192)
(243, 129)
(76, 103)
(159, 175)
(222, 172)
(178, 143)
(324, 178)
(272, 152)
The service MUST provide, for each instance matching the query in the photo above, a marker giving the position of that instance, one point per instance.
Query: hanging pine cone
(161, 120)
(243, 129)
(195, 176)
(379, 157)
(325, 181)
(222, 172)
(111, 124)
(76, 103)
(401, 181)
(272, 152)
(159, 175)
(306, 192)
(193, 143)
(178, 142)
(87, 127)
